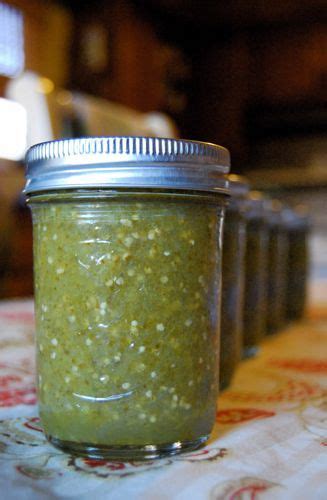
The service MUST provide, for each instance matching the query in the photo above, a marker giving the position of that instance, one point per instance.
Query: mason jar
(233, 268)
(255, 288)
(277, 267)
(298, 230)
(127, 256)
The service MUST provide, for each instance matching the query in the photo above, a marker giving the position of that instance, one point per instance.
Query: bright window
(12, 130)
(11, 41)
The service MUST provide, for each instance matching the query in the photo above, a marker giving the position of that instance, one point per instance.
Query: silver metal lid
(257, 196)
(274, 212)
(129, 162)
(239, 185)
(296, 217)
(256, 203)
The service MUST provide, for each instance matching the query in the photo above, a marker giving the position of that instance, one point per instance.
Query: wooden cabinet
(290, 64)
(138, 67)
(16, 261)
(47, 38)
(18, 278)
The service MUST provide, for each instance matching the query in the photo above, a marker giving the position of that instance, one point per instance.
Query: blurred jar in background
(127, 283)
(256, 255)
(277, 266)
(298, 229)
(233, 280)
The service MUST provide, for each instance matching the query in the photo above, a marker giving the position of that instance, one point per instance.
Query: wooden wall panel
(220, 95)
(135, 72)
(290, 64)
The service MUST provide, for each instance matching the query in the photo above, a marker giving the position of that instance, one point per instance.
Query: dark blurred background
(250, 75)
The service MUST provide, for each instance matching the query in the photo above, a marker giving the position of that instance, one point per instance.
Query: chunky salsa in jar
(126, 286)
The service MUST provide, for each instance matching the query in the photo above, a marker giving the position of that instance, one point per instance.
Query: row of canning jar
(264, 272)
(127, 264)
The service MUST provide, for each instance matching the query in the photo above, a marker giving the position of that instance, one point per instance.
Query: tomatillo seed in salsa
(127, 283)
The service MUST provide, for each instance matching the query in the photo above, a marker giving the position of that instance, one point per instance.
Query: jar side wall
(232, 295)
(255, 294)
(277, 279)
(127, 319)
(297, 261)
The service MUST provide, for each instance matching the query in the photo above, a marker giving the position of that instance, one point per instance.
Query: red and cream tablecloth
(269, 442)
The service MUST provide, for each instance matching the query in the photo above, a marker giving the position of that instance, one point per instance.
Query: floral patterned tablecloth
(269, 442)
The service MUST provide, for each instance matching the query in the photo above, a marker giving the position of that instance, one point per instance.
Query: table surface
(269, 441)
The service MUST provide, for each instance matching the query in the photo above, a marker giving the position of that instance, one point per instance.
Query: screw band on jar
(127, 284)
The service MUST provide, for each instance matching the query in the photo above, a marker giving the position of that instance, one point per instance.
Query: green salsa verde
(126, 290)
(256, 263)
(232, 294)
(297, 271)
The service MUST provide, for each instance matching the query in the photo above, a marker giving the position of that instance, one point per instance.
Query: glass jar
(233, 280)
(298, 228)
(256, 255)
(277, 267)
(127, 262)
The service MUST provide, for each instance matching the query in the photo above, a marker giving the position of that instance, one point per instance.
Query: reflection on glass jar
(127, 284)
